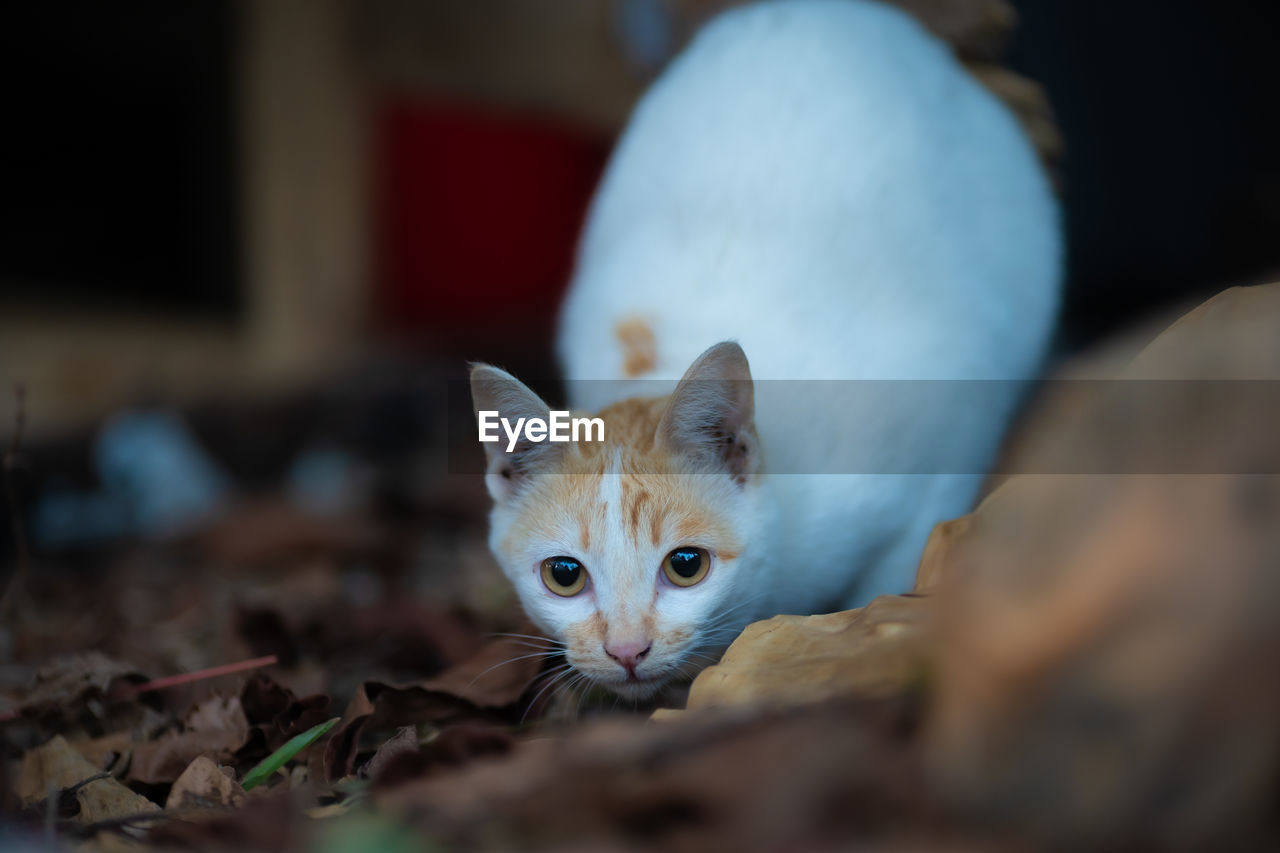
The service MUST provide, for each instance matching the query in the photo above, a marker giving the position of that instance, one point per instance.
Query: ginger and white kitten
(821, 182)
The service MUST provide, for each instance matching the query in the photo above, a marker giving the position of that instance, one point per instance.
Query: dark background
(118, 157)
(1172, 169)
(118, 163)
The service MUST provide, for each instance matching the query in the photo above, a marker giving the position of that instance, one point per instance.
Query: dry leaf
(101, 751)
(216, 727)
(65, 683)
(277, 714)
(812, 777)
(451, 747)
(477, 690)
(496, 676)
(404, 742)
(58, 766)
(204, 785)
(939, 553)
(975, 29)
(880, 650)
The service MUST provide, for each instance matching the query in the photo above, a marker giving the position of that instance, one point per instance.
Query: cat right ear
(711, 414)
(495, 390)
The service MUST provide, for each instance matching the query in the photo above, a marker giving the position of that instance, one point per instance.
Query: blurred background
(292, 219)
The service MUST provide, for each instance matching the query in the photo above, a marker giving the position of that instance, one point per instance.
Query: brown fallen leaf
(276, 714)
(57, 765)
(938, 554)
(495, 676)
(404, 742)
(65, 684)
(480, 689)
(451, 747)
(975, 29)
(881, 650)
(204, 785)
(261, 823)
(818, 777)
(380, 706)
(1029, 103)
(103, 750)
(216, 727)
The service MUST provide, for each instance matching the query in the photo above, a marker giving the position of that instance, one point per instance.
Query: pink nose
(628, 653)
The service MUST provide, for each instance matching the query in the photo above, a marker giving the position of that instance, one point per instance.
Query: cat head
(630, 551)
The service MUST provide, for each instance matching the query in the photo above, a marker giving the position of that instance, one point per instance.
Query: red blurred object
(478, 217)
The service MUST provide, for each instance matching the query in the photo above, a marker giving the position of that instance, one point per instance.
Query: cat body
(822, 183)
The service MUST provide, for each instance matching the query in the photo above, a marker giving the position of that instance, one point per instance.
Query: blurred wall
(206, 177)
(225, 196)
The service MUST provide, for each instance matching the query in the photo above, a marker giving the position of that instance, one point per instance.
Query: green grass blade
(277, 759)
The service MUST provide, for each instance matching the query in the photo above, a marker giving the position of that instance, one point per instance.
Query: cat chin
(637, 691)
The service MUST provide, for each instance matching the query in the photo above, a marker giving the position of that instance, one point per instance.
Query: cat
(819, 184)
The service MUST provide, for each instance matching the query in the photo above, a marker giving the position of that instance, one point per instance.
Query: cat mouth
(636, 687)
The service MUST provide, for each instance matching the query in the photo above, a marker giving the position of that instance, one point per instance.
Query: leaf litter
(1081, 663)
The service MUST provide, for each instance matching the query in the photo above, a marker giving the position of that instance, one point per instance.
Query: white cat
(821, 182)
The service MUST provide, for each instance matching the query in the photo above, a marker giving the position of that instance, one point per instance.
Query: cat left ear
(495, 390)
(711, 415)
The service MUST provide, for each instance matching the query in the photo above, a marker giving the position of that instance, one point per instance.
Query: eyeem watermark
(558, 427)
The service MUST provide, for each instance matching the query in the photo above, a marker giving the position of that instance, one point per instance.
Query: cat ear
(711, 414)
(495, 390)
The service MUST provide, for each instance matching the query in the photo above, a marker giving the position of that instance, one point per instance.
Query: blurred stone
(1107, 642)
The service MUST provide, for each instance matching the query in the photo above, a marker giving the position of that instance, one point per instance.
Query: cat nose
(628, 653)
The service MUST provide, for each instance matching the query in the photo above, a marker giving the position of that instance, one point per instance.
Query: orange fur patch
(633, 515)
(639, 346)
(656, 495)
(587, 633)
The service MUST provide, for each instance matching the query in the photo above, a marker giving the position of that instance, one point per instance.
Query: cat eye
(563, 575)
(686, 566)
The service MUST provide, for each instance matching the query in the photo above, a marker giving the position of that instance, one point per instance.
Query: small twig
(198, 675)
(121, 693)
(14, 589)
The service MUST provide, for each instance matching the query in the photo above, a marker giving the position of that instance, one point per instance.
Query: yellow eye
(564, 575)
(686, 566)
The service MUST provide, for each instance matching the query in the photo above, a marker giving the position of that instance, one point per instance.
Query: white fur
(822, 182)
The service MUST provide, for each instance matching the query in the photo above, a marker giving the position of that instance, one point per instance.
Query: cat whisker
(724, 634)
(719, 630)
(545, 641)
(545, 654)
(568, 686)
(709, 658)
(721, 617)
(582, 694)
(555, 671)
(563, 671)
(559, 649)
